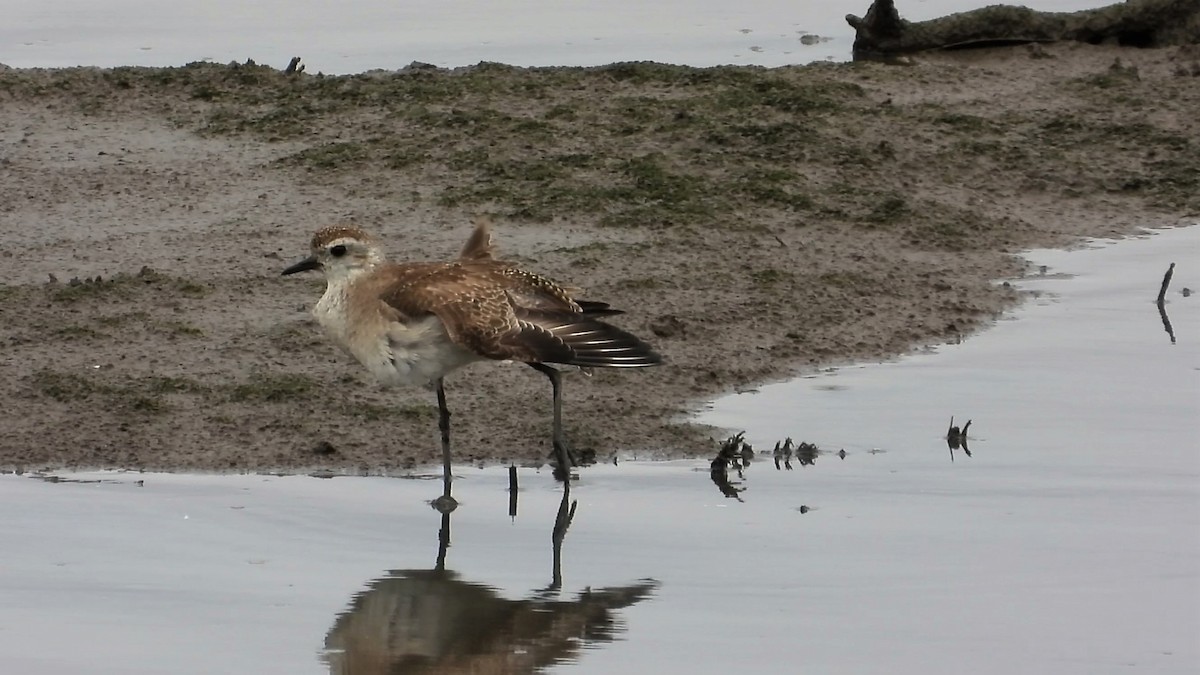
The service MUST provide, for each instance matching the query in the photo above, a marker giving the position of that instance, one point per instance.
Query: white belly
(397, 354)
(421, 352)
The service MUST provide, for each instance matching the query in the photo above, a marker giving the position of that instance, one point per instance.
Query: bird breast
(397, 352)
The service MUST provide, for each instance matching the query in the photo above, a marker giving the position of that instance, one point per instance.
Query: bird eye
(337, 251)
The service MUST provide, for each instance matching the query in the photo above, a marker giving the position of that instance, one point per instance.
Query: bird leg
(444, 427)
(565, 460)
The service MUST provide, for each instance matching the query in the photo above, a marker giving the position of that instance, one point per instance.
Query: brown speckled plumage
(499, 312)
(328, 235)
(414, 323)
(490, 308)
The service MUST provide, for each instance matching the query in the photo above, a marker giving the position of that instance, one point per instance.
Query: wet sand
(753, 223)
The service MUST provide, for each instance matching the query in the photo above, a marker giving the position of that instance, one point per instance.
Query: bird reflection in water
(431, 621)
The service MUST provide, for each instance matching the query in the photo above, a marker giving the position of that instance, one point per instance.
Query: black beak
(309, 263)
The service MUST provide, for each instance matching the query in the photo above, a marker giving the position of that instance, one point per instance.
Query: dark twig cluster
(957, 438)
(805, 452)
(735, 452)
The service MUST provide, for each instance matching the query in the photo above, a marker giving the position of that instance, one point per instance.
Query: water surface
(1068, 542)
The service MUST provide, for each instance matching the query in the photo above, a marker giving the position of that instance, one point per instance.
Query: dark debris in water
(957, 438)
(736, 453)
(55, 478)
(806, 453)
(783, 453)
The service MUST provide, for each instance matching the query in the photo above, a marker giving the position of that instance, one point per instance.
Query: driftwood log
(1138, 23)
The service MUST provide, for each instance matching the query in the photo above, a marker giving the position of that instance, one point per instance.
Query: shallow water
(1084, 374)
(1068, 542)
(359, 35)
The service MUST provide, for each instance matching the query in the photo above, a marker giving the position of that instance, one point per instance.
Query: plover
(414, 323)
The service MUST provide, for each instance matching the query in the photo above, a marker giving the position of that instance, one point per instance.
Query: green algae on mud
(645, 144)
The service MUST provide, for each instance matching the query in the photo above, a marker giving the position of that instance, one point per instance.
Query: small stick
(1162, 292)
(512, 491)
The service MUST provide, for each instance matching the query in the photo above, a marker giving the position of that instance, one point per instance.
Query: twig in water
(957, 438)
(1162, 306)
(512, 491)
(1162, 292)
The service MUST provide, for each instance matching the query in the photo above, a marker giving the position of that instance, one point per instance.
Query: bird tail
(592, 308)
(580, 339)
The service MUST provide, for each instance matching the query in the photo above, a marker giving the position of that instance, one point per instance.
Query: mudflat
(754, 223)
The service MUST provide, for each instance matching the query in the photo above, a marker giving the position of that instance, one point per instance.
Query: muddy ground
(755, 223)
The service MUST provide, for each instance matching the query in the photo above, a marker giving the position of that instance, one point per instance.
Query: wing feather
(500, 312)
